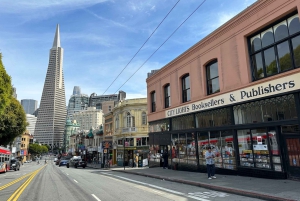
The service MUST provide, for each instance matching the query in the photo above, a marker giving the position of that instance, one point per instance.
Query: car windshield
(13, 161)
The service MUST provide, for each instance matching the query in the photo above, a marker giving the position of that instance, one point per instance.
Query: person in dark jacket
(165, 157)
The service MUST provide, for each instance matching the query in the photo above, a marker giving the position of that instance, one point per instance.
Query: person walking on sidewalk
(210, 163)
(165, 157)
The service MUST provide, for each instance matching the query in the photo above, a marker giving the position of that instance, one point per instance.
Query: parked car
(14, 165)
(63, 162)
(76, 162)
(57, 161)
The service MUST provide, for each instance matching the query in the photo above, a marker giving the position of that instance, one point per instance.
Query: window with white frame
(144, 118)
(128, 120)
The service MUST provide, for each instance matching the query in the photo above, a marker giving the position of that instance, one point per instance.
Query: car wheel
(15, 169)
(67, 166)
(83, 166)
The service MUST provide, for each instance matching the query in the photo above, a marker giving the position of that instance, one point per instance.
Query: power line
(161, 45)
(141, 46)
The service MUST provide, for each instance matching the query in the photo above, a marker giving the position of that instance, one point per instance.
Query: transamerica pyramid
(52, 113)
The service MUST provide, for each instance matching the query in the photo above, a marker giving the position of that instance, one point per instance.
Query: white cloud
(20, 6)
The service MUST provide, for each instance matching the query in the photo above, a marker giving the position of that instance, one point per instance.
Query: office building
(52, 111)
(29, 105)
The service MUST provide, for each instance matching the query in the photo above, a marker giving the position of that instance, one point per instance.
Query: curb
(213, 187)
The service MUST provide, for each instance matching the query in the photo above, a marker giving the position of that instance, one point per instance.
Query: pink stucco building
(237, 91)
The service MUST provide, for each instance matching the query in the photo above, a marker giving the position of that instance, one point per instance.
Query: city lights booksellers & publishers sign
(273, 87)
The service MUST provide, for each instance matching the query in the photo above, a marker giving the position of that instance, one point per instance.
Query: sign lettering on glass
(277, 86)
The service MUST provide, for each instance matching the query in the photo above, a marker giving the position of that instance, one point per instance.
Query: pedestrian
(210, 163)
(165, 157)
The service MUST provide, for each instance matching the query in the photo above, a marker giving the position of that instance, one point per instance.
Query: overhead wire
(161, 45)
(141, 46)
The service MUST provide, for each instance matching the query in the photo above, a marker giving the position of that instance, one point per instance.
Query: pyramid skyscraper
(52, 112)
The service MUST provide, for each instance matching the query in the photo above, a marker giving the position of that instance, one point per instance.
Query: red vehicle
(5, 156)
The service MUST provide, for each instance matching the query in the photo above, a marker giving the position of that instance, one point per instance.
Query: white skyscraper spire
(56, 42)
(52, 112)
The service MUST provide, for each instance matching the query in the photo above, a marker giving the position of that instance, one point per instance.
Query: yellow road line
(20, 190)
(17, 180)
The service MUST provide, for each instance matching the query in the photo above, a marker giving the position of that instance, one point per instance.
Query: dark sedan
(76, 162)
(63, 162)
(14, 165)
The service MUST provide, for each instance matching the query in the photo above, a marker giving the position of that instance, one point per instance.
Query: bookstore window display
(222, 145)
(182, 148)
(191, 149)
(203, 142)
(256, 147)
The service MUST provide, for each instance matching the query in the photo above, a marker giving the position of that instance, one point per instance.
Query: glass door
(293, 155)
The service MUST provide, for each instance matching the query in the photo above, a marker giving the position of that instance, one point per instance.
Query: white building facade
(90, 118)
(31, 119)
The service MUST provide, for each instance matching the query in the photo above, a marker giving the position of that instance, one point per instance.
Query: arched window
(128, 120)
(144, 118)
(117, 122)
(186, 89)
(212, 76)
(167, 96)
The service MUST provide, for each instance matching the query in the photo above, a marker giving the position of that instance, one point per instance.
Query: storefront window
(222, 145)
(275, 150)
(154, 153)
(262, 142)
(272, 109)
(143, 141)
(203, 143)
(227, 150)
(191, 149)
(245, 148)
(159, 126)
(260, 148)
(182, 148)
(183, 122)
(175, 147)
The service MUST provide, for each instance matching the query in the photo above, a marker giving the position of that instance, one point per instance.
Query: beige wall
(228, 44)
(107, 106)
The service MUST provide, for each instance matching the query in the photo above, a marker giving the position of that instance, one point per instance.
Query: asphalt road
(70, 184)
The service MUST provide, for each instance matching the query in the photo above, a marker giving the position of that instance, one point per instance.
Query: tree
(35, 149)
(5, 87)
(12, 122)
(44, 149)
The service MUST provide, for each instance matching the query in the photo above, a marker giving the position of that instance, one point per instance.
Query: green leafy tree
(44, 149)
(34, 149)
(12, 122)
(5, 87)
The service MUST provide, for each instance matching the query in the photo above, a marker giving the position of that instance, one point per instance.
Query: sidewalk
(266, 189)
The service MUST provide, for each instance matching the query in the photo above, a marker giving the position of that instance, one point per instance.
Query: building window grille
(167, 96)
(153, 99)
(213, 118)
(186, 89)
(183, 122)
(273, 109)
(276, 49)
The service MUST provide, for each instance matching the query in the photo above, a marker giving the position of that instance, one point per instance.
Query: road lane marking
(15, 196)
(96, 197)
(75, 181)
(16, 180)
(157, 187)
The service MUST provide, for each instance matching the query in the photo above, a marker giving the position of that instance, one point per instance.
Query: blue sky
(99, 38)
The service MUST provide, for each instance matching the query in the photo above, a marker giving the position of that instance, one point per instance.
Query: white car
(55, 159)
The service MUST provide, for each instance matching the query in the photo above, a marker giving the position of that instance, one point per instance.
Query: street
(61, 183)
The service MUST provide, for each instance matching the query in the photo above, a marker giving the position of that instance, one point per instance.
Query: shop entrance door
(293, 155)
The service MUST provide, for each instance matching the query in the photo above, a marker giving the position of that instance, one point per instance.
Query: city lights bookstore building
(237, 91)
